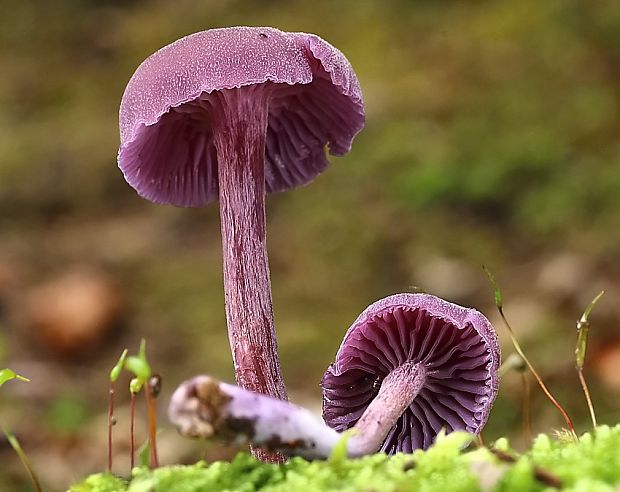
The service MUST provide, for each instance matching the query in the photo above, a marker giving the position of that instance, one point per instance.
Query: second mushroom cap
(457, 348)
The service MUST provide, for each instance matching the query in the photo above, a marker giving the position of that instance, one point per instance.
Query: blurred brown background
(492, 138)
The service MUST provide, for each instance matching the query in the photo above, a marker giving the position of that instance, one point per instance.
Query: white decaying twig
(204, 407)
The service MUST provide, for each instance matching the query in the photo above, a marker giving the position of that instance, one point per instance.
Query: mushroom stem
(239, 131)
(204, 407)
(397, 392)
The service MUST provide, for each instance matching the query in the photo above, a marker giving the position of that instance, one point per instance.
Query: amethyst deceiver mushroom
(232, 114)
(203, 407)
(409, 366)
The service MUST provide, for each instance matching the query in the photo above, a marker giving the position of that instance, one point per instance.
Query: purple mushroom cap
(167, 152)
(458, 348)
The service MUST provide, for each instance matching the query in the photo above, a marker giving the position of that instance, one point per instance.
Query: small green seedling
(143, 378)
(583, 330)
(144, 453)
(115, 372)
(499, 304)
(114, 375)
(7, 374)
(139, 366)
(153, 388)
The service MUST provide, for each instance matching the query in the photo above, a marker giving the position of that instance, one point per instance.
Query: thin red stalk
(132, 436)
(586, 392)
(499, 304)
(151, 391)
(569, 422)
(110, 423)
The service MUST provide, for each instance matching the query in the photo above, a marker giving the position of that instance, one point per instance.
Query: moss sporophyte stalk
(140, 368)
(590, 465)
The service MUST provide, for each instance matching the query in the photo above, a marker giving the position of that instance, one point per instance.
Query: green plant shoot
(583, 330)
(497, 293)
(139, 366)
(141, 369)
(7, 374)
(115, 372)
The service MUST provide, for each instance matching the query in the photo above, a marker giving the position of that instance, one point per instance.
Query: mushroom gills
(456, 389)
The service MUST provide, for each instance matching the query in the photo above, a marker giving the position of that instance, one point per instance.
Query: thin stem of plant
(151, 391)
(519, 350)
(114, 374)
(543, 386)
(132, 436)
(586, 392)
(110, 423)
(583, 330)
(24, 459)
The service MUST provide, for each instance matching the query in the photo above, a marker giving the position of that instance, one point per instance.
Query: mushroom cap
(458, 346)
(167, 152)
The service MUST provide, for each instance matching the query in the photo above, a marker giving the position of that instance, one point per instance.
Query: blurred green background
(492, 137)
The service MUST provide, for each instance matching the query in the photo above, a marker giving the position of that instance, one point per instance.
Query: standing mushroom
(409, 366)
(232, 114)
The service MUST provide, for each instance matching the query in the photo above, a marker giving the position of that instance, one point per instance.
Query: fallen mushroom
(203, 407)
(410, 366)
(231, 114)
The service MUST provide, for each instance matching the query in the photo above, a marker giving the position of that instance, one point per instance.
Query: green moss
(592, 464)
(100, 482)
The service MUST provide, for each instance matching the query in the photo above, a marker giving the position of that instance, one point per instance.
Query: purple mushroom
(232, 114)
(409, 366)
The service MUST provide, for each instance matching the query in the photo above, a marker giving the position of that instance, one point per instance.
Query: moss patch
(592, 464)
